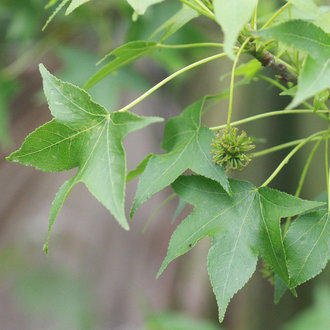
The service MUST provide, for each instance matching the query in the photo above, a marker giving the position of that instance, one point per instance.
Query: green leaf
(306, 6)
(58, 8)
(249, 70)
(232, 16)
(320, 99)
(138, 170)
(123, 55)
(307, 245)
(323, 20)
(84, 135)
(140, 6)
(178, 210)
(51, 3)
(301, 35)
(280, 288)
(314, 78)
(240, 227)
(308, 37)
(74, 5)
(174, 23)
(188, 147)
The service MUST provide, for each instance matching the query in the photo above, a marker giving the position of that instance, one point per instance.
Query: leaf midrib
(61, 141)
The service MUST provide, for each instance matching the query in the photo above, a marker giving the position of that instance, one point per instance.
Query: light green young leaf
(51, 3)
(314, 78)
(308, 37)
(123, 55)
(58, 8)
(74, 5)
(323, 21)
(84, 135)
(188, 147)
(306, 6)
(232, 16)
(140, 6)
(241, 227)
(174, 23)
(307, 246)
(138, 170)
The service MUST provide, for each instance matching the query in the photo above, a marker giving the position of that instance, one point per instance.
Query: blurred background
(97, 275)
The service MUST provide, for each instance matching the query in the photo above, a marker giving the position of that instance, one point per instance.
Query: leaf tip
(42, 69)
(162, 268)
(45, 248)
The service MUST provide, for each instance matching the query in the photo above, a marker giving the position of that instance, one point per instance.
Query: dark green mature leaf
(124, 54)
(241, 227)
(232, 16)
(308, 37)
(84, 135)
(188, 146)
(174, 23)
(307, 246)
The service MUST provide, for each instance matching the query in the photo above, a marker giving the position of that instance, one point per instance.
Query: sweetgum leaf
(241, 227)
(124, 54)
(188, 147)
(140, 6)
(307, 6)
(301, 35)
(138, 170)
(307, 246)
(232, 16)
(175, 22)
(279, 289)
(314, 78)
(308, 37)
(84, 135)
(74, 5)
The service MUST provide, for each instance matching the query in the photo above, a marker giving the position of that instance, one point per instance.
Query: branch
(268, 60)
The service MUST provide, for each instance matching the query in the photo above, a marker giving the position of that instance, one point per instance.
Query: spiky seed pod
(229, 149)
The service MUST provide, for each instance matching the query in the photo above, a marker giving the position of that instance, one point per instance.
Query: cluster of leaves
(243, 221)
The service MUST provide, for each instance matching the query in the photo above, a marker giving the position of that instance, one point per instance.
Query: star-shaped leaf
(84, 135)
(241, 227)
(307, 246)
(188, 145)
